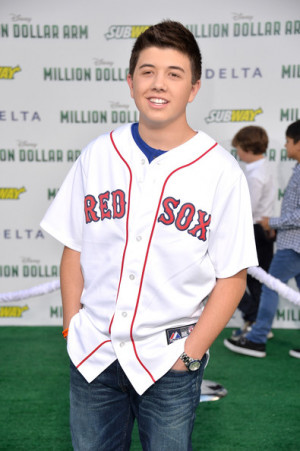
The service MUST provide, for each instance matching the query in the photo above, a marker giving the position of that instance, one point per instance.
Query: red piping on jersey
(147, 252)
(148, 247)
(96, 349)
(127, 220)
(125, 247)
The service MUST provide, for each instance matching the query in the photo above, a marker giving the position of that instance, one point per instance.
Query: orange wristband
(65, 333)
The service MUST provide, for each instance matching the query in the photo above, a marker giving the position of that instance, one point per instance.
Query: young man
(251, 143)
(154, 218)
(286, 261)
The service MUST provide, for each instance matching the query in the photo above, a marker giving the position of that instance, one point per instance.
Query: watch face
(195, 365)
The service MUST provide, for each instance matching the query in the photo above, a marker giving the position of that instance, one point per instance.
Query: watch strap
(188, 361)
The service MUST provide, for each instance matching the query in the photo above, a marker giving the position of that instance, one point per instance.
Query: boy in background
(286, 261)
(251, 144)
(154, 217)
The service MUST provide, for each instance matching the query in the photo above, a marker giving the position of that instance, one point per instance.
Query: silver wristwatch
(191, 364)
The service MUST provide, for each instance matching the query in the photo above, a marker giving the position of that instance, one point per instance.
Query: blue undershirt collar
(149, 152)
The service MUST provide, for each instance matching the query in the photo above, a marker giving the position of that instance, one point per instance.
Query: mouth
(157, 101)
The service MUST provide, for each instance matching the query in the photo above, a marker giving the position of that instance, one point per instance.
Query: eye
(147, 72)
(174, 75)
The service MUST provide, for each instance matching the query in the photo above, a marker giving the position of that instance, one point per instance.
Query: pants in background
(285, 265)
(250, 301)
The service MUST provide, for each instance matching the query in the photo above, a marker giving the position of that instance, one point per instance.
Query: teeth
(158, 101)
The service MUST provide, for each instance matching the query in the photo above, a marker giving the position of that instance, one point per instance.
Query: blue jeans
(102, 413)
(285, 265)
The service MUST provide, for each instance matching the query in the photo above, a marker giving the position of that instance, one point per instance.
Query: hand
(179, 366)
(271, 234)
(264, 222)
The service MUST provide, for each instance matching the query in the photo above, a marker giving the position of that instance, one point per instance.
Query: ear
(130, 84)
(195, 88)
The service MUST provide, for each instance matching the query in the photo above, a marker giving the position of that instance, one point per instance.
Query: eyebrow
(169, 67)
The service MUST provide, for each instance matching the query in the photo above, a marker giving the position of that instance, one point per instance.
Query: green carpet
(260, 412)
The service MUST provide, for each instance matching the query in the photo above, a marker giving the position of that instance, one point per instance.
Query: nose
(159, 83)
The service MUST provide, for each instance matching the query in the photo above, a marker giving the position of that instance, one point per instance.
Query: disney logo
(19, 18)
(240, 16)
(118, 105)
(26, 144)
(29, 260)
(102, 62)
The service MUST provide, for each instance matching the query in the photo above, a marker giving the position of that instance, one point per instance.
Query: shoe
(295, 353)
(238, 333)
(270, 335)
(246, 347)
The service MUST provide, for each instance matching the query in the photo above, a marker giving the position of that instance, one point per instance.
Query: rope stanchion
(258, 273)
(275, 284)
(38, 290)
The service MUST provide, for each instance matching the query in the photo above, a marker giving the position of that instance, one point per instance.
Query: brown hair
(251, 139)
(169, 34)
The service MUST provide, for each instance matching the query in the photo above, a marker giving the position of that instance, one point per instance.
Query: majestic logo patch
(175, 336)
(177, 333)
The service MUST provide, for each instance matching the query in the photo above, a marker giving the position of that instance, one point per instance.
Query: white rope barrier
(258, 273)
(275, 284)
(39, 290)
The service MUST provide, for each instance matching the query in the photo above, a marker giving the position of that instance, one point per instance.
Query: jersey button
(124, 314)
(143, 161)
(139, 238)
(122, 344)
(132, 277)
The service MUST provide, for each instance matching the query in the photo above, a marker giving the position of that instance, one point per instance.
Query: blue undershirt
(149, 152)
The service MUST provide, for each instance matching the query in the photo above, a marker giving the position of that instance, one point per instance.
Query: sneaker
(295, 353)
(238, 333)
(246, 347)
(270, 335)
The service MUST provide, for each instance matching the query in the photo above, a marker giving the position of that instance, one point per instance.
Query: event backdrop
(63, 67)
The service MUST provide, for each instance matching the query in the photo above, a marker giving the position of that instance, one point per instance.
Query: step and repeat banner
(63, 68)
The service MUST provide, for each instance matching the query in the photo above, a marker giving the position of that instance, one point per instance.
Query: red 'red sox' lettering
(184, 218)
(109, 205)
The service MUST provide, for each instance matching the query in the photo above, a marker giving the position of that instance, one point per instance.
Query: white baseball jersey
(153, 239)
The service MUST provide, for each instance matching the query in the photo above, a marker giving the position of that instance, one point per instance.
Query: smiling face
(161, 87)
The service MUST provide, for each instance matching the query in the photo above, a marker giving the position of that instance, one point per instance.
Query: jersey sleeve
(232, 244)
(64, 218)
